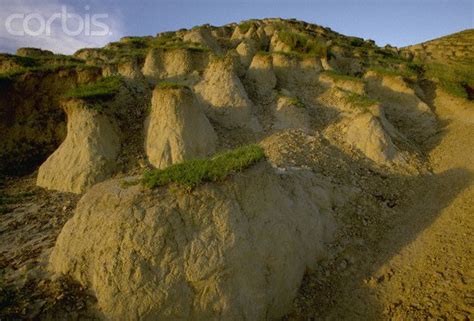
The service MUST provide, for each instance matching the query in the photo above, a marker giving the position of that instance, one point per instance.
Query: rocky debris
(226, 251)
(225, 96)
(177, 128)
(87, 155)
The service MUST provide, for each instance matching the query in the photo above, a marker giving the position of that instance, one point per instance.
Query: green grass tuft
(244, 27)
(301, 43)
(394, 71)
(297, 102)
(363, 102)
(102, 89)
(192, 173)
(170, 85)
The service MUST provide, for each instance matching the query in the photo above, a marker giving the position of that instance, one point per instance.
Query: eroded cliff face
(337, 117)
(32, 121)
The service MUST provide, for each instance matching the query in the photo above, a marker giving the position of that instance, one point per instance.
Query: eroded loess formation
(335, 129)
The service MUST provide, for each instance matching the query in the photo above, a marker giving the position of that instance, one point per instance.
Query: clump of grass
(362, 102)
(170, 85)
(302, 43)
(297, 102)
(137, 42)
(263, 53)
(393, 71)
(356, 42)
(102, 89)
(245, 26)
(192, 173)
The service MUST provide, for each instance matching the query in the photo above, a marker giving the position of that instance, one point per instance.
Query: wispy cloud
(30, 18)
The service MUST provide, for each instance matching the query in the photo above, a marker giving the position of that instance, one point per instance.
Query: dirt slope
(421, 267)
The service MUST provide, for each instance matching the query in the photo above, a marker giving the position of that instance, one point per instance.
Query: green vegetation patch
(297, 102)
(192, 173)
(356, 42)
(394, 71)
(105, 88)
(452, 78)
(171, 85)
(302, 43)
(245, 26)
(363, 102)
(8, 78)
(169, 41)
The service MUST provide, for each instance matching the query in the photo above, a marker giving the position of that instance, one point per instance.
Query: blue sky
(398, 23)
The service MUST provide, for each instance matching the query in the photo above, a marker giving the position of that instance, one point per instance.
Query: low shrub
(192, 173)
(356, 42)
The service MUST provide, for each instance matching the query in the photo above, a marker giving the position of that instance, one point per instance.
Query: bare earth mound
(231, 251)
(87, 155)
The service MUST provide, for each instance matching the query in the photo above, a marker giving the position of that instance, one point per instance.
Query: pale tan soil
(417, 264)
(29, 226)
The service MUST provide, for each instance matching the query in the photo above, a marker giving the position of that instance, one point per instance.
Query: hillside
(267, 170)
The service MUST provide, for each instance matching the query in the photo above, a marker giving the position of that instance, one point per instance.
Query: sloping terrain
(256, 171)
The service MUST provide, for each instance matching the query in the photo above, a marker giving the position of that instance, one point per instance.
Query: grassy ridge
(452, 78)
(192, 173)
